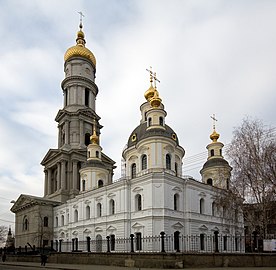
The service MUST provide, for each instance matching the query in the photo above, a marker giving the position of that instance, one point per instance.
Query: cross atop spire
(81, 16)
(152, 76)
(214, 121)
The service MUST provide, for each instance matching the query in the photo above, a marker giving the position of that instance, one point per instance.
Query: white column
(63, 175)
(49, 181)
(58, 175)
(81, 133)
(46, 183)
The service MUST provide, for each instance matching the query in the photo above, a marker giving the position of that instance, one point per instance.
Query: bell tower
(216, 171)
(76, 122)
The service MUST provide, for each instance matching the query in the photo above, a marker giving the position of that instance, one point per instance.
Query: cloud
(210, 56)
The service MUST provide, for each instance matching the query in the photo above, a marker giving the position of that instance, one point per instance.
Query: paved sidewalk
(107, 267)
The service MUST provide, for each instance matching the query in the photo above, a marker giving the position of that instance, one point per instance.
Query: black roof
(215, 162)
(141, 133)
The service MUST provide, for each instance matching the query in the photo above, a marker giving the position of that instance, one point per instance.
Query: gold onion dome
(149, 93)
(214, 136)
(155, 101)
(94, 139)
(79, 50)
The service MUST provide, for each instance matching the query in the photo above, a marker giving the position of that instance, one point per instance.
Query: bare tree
(3, 234)
(252, 155)
(44, 231)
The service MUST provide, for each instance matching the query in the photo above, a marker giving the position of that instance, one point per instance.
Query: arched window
(176, 169)
(201, 206)
(62, 220)
(87, 212)
(56, 221)
(176, 201)
(144, 162)
(83, 185)
(87, 97)
(68, 218)
(25, 224)
(111, 207)
(100, 183)
(87, 138)
(161, 121)
(97, 154)
(168, 162)
(176, 241)
(99, 243)
(45, 222)
(210, 181)
(138, 202)
(65, 97)
(149, 121)
(99, 210)
(133, 170)
(76, 216)
(212, 152)
(213, 208)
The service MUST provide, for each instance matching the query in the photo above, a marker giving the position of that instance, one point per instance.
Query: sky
(211, 57)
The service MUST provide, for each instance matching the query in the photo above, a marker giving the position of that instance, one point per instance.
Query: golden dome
(149, 93)
(94, 139)
(155, 101)
(79, 50)
(214, 136)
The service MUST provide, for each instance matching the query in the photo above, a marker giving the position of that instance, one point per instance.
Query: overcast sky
(211, 57)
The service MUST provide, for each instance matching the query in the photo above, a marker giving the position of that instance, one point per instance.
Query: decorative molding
(202, 194)
(111, 228)
(177, 189)
(203, 228)
(137, 189)
(111, 195)
(98, 229)
(178, 226)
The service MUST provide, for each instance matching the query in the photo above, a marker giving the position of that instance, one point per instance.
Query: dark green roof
(215, 162)
(141, 133)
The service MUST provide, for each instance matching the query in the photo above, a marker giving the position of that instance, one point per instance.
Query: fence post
(162, 241)
(108, 244)
(73, 244)
(52, 245)
(88, 243)
(60, 245)
(77, 244)
(216, 241)
(131, 243)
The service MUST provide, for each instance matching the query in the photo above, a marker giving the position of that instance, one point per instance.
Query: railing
(161, 243)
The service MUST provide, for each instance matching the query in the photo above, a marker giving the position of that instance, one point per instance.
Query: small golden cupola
(79, 50)
(94, 150)
(94, 138)
(155, 101)
(150, 92)
(214, 136)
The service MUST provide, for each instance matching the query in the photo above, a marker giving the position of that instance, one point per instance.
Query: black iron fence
(159, 243)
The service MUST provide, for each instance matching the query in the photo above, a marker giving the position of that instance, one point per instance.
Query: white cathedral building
(83, 202)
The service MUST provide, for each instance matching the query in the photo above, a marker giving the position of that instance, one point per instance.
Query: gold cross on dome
(81, 16)
(214, 121)
(152, 76)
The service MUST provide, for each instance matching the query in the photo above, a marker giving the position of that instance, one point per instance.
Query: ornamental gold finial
(214, 136)
(94, 139)
(150, 92)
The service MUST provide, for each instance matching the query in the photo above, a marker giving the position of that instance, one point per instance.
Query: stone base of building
(157, 260)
